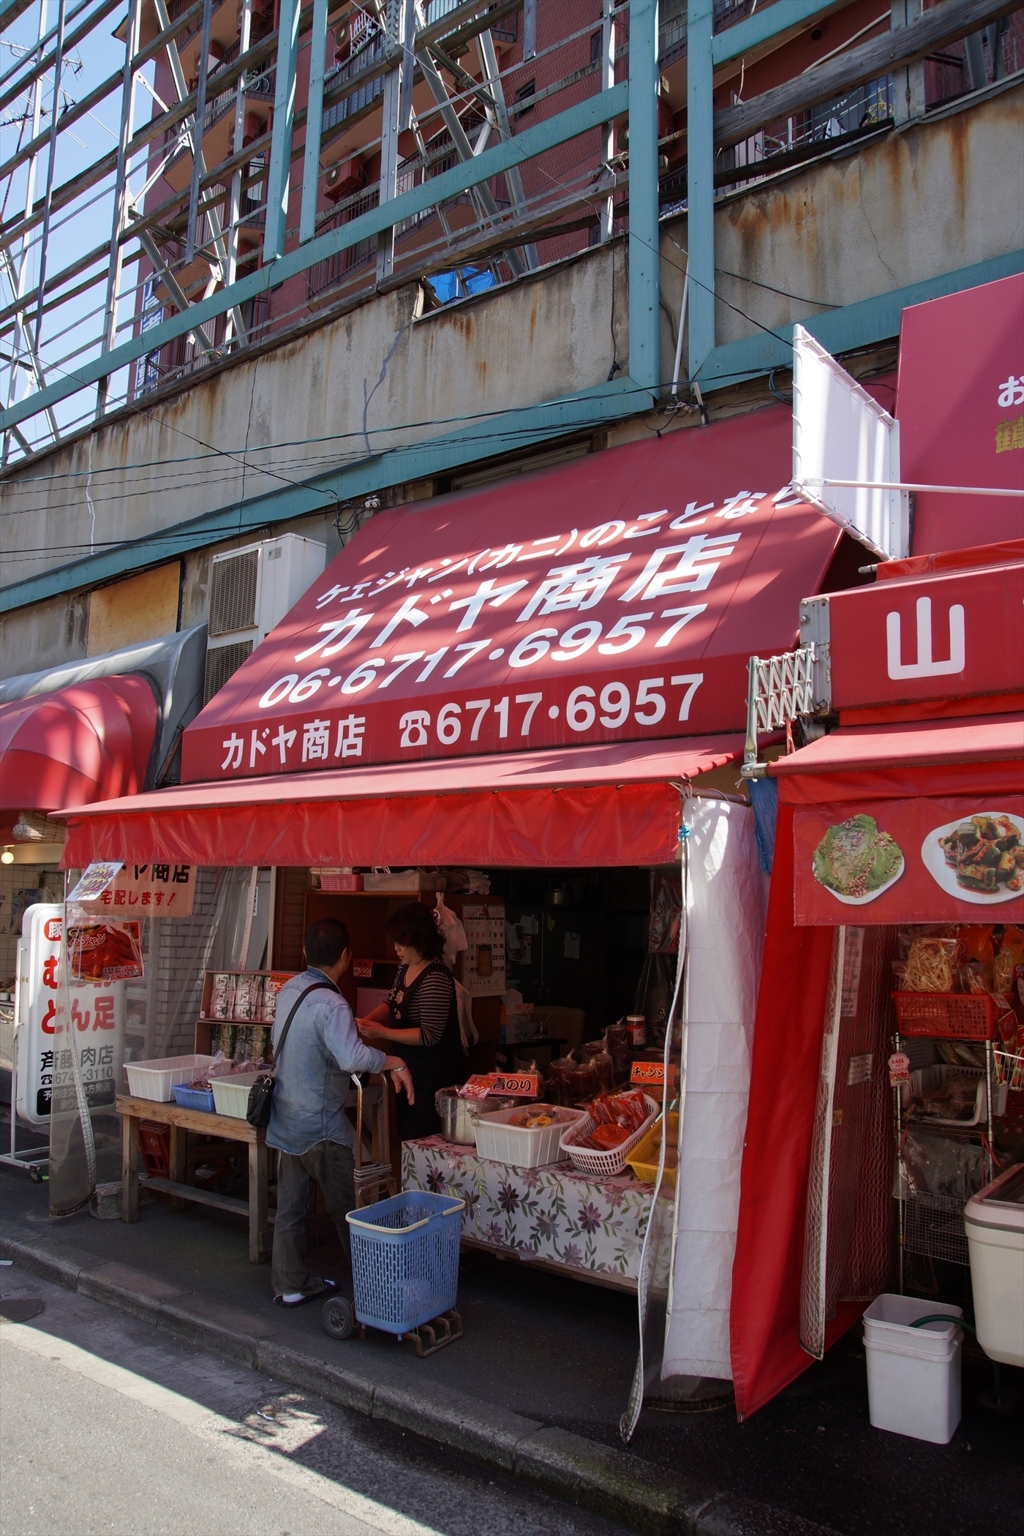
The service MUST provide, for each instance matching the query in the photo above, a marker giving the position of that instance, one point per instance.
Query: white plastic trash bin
(994, 1221)
(913, 1373)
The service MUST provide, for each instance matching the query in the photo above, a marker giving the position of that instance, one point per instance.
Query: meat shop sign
(628, 627)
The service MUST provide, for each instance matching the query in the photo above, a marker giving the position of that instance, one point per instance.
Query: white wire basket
(605, 1164)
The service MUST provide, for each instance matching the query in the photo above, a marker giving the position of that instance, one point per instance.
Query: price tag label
(899, 1068)
(520, 1085)
(517, 1085)
(651, 1074)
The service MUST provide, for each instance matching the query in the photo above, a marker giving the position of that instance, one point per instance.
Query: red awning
(983, 754)
(592, 806)
(75, 745)
(615, 598)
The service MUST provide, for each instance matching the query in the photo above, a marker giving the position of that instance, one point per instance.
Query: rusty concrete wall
(322, 401)
(929, 199)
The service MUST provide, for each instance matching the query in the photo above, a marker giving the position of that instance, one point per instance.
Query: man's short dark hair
(326, 941)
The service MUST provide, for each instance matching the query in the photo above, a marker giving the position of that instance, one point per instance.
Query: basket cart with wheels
(405, 1271)
(370, 1135)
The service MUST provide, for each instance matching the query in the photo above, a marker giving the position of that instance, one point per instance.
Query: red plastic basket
(946, 1015)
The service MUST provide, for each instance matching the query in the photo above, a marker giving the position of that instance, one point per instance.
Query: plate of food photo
(979, 858)
(855, 862)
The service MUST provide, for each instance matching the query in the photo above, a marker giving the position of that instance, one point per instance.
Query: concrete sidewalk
(536, 1388)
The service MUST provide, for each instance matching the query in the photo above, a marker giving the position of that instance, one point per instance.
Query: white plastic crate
(231, 1094)
(158, 1079)
(605, 1164)
(516, 1145)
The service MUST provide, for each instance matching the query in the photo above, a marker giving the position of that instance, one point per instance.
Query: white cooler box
(994, 1221)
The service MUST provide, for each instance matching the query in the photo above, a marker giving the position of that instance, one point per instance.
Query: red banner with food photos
(910, 861)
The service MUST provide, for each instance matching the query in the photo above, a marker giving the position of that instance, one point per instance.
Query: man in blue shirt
(307, 1118)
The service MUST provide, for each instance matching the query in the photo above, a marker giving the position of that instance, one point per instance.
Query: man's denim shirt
(312, 1077)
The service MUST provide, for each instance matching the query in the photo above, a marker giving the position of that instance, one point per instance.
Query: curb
(620, 1486)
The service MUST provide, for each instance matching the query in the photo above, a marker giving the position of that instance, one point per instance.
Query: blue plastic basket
(193, 1098)
(405, 1259)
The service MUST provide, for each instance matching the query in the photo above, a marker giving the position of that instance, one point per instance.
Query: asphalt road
(108, 1425)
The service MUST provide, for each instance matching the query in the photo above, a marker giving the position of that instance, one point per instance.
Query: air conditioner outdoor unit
(251, 590)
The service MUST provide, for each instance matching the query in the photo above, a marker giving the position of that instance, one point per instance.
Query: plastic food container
(193, 1098)
(605, 1164)
(459, 1116)
(913, 1373)
(519, 1147)
(158, 1079)
(994, 1220)
(644, 1157)
(231, 1094)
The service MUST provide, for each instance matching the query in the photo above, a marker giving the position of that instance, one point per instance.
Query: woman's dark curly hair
(414, 925)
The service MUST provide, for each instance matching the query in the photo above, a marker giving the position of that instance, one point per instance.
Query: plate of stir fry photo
(980, 859)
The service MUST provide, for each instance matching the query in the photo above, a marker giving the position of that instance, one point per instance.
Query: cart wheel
(337, 1317)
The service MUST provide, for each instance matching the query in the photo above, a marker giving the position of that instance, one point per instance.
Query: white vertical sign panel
(841, 433)
(45, 1072)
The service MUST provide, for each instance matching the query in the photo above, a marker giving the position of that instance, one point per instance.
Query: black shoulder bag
(261, 1094)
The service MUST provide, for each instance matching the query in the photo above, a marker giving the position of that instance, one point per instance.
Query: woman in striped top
(421, 1013)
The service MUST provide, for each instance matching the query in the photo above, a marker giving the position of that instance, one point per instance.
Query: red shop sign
(616, 598)
(910, 861)
(941, 637)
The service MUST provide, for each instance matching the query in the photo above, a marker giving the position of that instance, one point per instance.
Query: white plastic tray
(231, 1094)
(157, 1079)
(517, 1146)
(605, 1164)
(933, 1077)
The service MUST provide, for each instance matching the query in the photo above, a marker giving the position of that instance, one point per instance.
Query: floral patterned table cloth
(552, 1213)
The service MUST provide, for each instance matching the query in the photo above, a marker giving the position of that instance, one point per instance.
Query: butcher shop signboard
(618, 597)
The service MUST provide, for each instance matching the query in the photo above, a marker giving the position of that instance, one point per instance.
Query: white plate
(860, 901)
(934, 861)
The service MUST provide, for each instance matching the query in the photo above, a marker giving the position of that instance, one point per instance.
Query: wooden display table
(227, 1127)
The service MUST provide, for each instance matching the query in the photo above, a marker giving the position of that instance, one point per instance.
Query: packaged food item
(617, 1044)
(559, 1072)
(248, 1002)
(636, 1027)
(930, 966)
(222, 996)
(272, 985)
(104, 951)
(595, 1054)
(224, 1039)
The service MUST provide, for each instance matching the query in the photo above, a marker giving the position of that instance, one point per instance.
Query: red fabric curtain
(765, 1315)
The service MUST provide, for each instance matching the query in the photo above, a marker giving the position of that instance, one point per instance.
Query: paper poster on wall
(909, 861)
(483, 963)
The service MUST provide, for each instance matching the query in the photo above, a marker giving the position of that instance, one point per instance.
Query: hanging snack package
(104, 951)
(930, 966)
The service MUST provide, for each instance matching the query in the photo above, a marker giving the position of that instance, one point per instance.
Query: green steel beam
(415, 461)
(314, 121)
(845, 330)
(281, 140)
(700, 183)
(644, 276)
(595, 110)
(763, 25)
